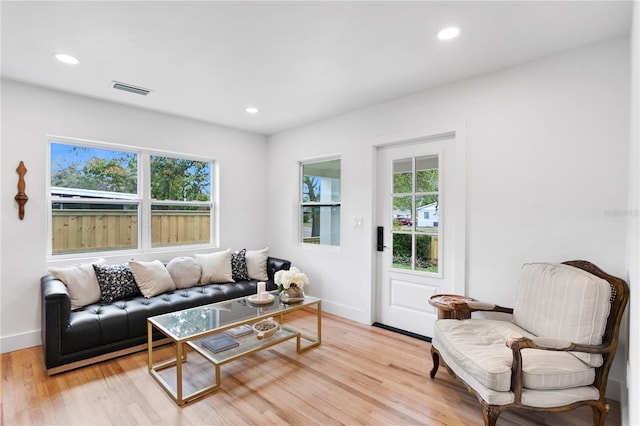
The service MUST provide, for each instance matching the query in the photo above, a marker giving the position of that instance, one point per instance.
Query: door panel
(414, 182)
(409, 295)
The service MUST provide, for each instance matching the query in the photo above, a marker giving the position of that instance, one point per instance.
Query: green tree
(402, 183)
(426, 181)
(68, 177)
(117, 173)
(113, 175)
(311, 192)
(179, 179)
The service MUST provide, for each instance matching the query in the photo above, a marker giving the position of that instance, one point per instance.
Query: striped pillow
(563, 302)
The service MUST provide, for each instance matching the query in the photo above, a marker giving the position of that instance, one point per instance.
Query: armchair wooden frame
(600, 407)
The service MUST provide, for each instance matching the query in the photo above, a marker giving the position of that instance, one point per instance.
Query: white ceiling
(298, 62)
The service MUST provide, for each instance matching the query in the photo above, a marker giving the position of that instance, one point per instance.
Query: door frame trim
(458, 132)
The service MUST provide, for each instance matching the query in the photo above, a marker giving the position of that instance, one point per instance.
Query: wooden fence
(97, 230)
(180, 227)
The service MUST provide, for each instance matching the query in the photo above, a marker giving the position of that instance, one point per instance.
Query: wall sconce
(21, 196)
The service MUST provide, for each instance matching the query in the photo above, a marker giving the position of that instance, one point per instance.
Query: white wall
(30, 113)
(549, 135)
(544, 139)
(632, 417)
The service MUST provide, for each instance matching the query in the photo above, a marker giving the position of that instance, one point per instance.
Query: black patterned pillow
(116, 282)
(239, 266)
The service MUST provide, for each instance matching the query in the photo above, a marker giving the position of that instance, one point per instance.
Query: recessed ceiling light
(252, 110)
(66, 59)
(448, 33)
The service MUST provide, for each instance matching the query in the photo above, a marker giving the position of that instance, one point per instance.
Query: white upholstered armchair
(554, 355)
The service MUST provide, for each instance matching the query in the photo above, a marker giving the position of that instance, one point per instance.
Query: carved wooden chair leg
(490, 414)
(599, 414)
(436, 363)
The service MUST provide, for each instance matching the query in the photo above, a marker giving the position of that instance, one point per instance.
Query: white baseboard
(616, 390)
(20, 341)
(348, 312)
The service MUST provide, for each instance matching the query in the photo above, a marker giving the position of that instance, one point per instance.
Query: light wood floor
(360, 375)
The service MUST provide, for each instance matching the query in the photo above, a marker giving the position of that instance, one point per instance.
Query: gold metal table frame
(186, 329)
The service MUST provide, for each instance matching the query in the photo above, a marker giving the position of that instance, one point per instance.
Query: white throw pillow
(563, 302)
(216, 267)
(81, 282)
(257, 264)
(185, 271)
(152, 278)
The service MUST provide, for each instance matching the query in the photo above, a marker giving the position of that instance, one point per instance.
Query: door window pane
(402, 217)
(427, 174)
(402, 249)
(427, 253)
(402, 176)
(427, 214)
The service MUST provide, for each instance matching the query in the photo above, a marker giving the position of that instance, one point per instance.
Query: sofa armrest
(517, 344)
(275, 264)
(55, 313)
(478, 306)
(552, 344)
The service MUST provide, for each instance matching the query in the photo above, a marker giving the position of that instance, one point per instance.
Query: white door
(418, 208)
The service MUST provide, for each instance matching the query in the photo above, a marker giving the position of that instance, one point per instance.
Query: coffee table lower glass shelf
(186, 378)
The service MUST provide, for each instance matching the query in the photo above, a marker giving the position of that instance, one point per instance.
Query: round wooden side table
(442, 302)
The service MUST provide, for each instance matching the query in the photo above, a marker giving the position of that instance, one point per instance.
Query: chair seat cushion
(478, 347)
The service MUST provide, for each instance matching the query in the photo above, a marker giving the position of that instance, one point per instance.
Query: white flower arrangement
(284, 279)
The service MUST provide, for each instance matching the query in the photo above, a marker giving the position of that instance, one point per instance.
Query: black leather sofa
(94, 333)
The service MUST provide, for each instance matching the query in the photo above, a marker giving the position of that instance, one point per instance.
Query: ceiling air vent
(130, 88)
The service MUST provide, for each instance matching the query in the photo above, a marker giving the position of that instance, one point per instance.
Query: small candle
(261, 288)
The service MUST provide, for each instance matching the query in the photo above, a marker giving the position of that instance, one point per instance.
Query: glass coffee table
(195, 328)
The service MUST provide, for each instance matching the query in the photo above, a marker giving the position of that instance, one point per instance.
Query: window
(320, 202)
(416, 190)
(181, 201)
(102, 199)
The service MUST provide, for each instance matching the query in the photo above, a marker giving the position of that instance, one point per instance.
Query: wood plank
(72, 233)
(181, 229)
(58, 224)
(165, 230)
(156, 229)
(111, 234)
(173, 229)
(101, 232)
(87, 225)
(133, 231)
(359, 375)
